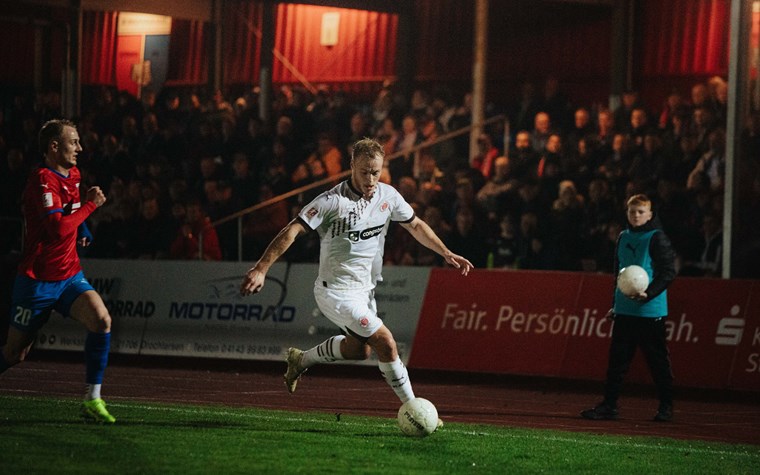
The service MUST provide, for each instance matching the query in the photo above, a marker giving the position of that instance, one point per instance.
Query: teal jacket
(646, 246)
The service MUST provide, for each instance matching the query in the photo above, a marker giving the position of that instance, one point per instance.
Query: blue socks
(96, 349)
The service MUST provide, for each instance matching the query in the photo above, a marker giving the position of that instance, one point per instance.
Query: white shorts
(353, 311)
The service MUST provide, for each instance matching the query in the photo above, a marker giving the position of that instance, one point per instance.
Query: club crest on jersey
(364, 321)
(384, 206)
(311, 213)
(356, 236)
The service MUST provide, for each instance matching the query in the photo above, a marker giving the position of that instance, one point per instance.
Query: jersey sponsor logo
(311, 213)
(355, 236)
(364, 321)
(47, 200)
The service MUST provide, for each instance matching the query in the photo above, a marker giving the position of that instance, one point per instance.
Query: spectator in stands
(443, 152)
(428, 169)
(532, 250)
(615, 166)
(700, 96)
(637, 128)
(387, 135)
(719, 96)
(504, 248)
(542, 129)
(528, 105)
(673, 106)
(600, 209)
(360, 128)
(152, 233)
(263, 225)
(467, 239)
(711, 165)
(218, 205)
(556, 104)
(273, 169)
(465, 197)
(434, 218)
(582, 127)
(701, 126)
(710, 260)
(523, 158)
(646, 161)
(186, 245)
(487, 153)
(498, 194)
(601, 140)
(244, 183)
(602, 257)
(566, 231)
(622, 114)
(410, 136)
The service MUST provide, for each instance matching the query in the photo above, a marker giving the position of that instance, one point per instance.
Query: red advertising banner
(553, 324)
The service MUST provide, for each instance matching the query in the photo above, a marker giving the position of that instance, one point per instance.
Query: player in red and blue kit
(50, 275)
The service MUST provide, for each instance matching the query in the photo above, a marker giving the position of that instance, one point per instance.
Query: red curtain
(188, 52)
(99, 47)
(684, 37)
(365, 51)
(242, 51)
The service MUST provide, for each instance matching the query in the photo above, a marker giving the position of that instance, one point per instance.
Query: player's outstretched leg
(295, 370)
(397, 377)
(299, 361)
(96, 349)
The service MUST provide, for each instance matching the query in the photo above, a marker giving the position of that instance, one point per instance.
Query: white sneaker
(294, 372)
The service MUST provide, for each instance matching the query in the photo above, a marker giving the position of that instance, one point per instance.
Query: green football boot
(95, 411)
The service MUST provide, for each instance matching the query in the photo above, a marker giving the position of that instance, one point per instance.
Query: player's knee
(355, 350)
(385, 347)
(103, 322)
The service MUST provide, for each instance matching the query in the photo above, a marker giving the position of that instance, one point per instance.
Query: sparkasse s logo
(730, 329)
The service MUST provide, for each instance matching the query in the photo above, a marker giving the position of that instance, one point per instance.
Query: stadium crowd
(172, 163)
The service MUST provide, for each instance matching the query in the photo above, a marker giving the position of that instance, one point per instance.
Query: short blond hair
(638, 200)
(367, 149)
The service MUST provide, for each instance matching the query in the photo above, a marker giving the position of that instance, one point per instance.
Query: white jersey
(352, 233)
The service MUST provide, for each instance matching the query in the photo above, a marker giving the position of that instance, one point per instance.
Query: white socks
(326, 352)
(395, 372)
(397, 377)
(93, 392)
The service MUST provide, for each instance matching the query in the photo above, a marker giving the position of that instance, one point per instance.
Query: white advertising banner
(189, 308)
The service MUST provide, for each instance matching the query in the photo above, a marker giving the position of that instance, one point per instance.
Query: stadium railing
(239, 215)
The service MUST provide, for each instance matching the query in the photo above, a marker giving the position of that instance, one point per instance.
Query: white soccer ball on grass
(632, 280)
(418, 417)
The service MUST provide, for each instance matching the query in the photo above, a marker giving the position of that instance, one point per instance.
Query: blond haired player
(351, 220)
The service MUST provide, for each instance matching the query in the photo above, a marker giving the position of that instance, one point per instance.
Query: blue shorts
(34, 299)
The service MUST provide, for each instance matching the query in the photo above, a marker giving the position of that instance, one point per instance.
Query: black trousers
(628, 334)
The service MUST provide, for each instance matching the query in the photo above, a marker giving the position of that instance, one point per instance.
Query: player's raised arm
(254, 278)
(428, 238)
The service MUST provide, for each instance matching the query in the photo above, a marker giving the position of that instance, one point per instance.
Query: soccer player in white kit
(351, 219)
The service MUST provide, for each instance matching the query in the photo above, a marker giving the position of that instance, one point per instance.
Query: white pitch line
(464, 432)
(570, 440)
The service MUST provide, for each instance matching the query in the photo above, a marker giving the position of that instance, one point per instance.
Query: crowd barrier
(511, 322)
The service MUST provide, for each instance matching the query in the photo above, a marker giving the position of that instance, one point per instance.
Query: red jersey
(52, 212)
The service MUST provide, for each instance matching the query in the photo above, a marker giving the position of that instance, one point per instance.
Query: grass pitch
(45, 435)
